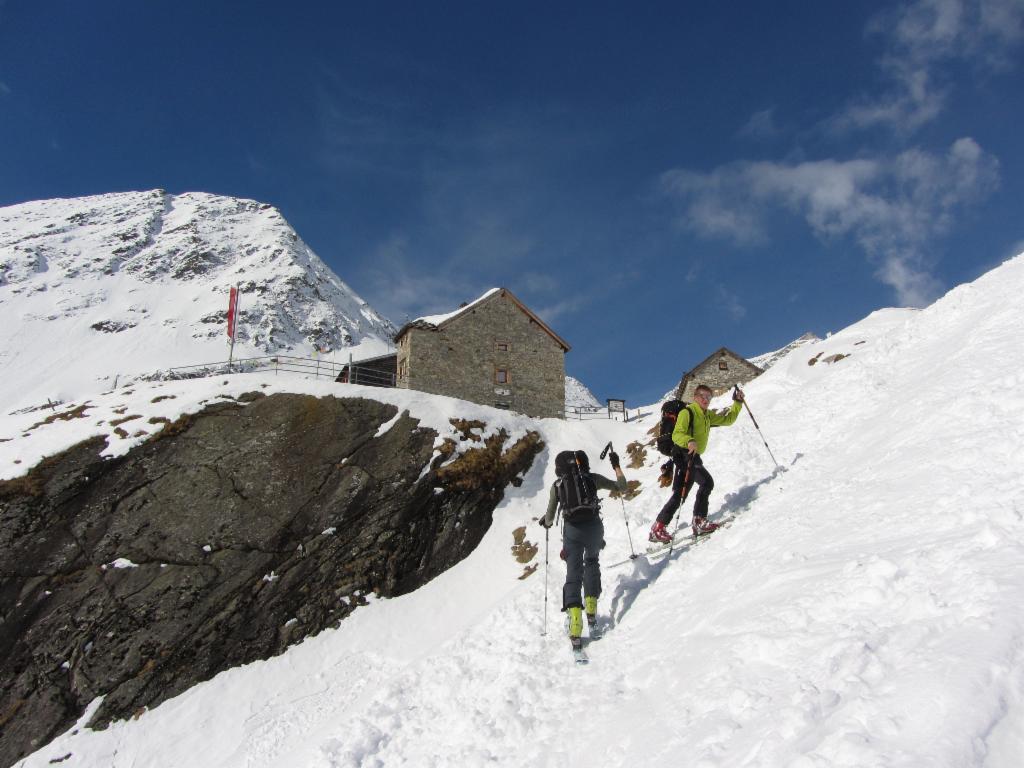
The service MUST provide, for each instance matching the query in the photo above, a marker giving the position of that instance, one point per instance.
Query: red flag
(232, 309)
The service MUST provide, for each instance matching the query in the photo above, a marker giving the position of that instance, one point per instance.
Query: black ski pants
(582, 542)
(698, 475)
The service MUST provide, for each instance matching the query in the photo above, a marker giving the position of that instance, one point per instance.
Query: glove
(613, 457)
(543, 522)
(561, 554)
(737, 395)
(665, 478)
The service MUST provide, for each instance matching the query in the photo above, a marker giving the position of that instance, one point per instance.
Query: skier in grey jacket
(575, 492)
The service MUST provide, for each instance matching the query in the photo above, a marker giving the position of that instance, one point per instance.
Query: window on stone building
(723, 366)
(503, 406)
(503, 346)
(501, 376)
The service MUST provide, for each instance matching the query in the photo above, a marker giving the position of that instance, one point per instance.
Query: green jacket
(703, 421)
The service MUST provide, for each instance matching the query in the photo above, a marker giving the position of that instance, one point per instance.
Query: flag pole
(232, 322)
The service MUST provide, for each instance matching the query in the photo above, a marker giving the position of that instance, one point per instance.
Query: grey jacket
(603, 484)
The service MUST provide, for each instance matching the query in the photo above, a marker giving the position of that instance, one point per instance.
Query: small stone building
(372, 372)
(492, 351)
(720, 371)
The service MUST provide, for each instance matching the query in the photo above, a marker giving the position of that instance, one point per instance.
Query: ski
(684, 542)
(580, 656)
(680, 544)
(725, 523)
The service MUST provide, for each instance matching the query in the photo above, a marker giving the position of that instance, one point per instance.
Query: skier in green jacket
(690, 440)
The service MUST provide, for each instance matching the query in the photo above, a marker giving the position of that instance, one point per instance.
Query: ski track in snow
(865, 608)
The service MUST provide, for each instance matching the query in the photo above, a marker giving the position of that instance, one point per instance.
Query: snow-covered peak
(578, 395)
(133, 282)
(767, 360)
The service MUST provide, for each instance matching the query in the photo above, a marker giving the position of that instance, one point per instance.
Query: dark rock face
(249, 527)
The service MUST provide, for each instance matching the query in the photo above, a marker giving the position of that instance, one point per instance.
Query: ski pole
(632, 552)
(682, 501)
(751, 414)
(544, 631)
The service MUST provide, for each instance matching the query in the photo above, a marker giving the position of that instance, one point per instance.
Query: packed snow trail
(852, 619)
(865, 608)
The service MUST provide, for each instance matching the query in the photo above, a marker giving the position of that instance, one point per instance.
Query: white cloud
(551, 313)
(761, 125)
(893, 207)
(920, 37)
(730, 302)
(914, 285)
(914, 101)
(490, 239)
(538, 282)
(584, 296)
(403, 286)
(693, 272)
(711, 206)
(928, 31)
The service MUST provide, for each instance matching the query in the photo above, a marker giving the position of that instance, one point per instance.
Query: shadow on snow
(647, 568)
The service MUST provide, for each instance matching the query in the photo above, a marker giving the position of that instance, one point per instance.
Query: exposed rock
(637, 455)
(227, 537)
(112, 326)
(631, 492)
(523, 550)
(465, 428)
(834, 358)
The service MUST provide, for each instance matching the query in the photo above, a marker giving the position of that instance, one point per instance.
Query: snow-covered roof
(436, 320)
(724, 351)
(433, 322)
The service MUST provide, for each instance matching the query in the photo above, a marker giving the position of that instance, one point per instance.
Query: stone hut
(720, 371)
(372, 372)
(493, 351)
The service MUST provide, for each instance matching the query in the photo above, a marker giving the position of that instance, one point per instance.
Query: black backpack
(669, 413)
(577, 491)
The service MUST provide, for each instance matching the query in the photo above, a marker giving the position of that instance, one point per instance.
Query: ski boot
(574, 621)
(593, 628)
(702, 526)
(659, 534)
(574, 618)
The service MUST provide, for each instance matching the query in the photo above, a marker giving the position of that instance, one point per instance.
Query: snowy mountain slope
(768, 359)
(116, 285)
(578, 395)
(865, 607)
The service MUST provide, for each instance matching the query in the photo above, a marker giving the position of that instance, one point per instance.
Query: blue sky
(655, 182)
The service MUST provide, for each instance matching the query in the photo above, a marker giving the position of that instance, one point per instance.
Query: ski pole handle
(606, 449)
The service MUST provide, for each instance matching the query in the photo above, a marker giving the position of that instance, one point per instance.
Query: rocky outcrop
(233, 534)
